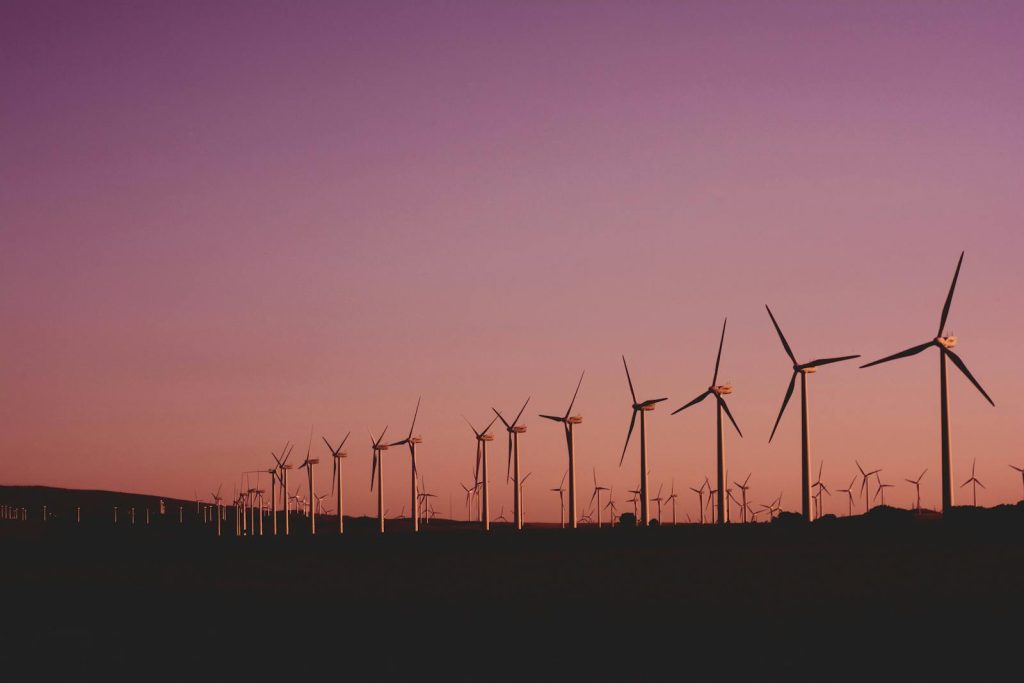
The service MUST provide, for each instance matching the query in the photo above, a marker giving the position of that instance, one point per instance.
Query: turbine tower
(719, 390)
(641, 407)
(480, 473)
(945, 345)
(801, 369)
(568, 421)
(378, 449)
(514, 430)
(336, 455)
(411, 442)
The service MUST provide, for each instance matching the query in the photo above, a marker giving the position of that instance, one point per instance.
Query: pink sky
(222, 223)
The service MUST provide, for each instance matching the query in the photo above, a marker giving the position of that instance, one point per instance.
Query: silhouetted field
(93, 585)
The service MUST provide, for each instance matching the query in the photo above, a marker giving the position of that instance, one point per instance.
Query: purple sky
(221, 222)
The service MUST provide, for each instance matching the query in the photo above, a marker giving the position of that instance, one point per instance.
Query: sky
(224, 223)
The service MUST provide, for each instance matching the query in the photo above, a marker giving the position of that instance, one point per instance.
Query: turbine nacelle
(574, 420)
(415, 439)
(519, 429)
(721, 389)
(485, 437)
(946, 342)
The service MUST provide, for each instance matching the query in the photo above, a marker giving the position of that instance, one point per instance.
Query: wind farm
(228, 228)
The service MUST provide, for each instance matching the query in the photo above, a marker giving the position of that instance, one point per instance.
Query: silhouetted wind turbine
(216, 499)
(672, 495)
(744, 488)
(275, 477)
(801, 369)
(864, 488)
(657, 499)
(308, 464)
(881, 489)
(700, 496)
(849, 493)
(336, 455)
(283, 467)
(641, 407)
(514, 429)
(917, 485)
(945, 345)
(821, 487)
(974, 482)
(481, 457)
(561, 499)
(568, 421)
(597, 495)
(718, 391)
(610, 506)
(411, 442)
(378, 460)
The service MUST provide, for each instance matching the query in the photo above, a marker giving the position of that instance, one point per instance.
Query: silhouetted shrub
(627, 519)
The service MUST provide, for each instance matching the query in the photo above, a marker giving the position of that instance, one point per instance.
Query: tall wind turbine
(642, 407)
(568, 421)
(917, 485)
(275, 477)
(480, 473)
(945, 345)
(283, 468)
(336, 455)
(864, 487)
(597, 495)
(561, 500)
(514, 429)
(378, 449)
(411, 442)
(974, 482)
(308, 464)
(718, 390)
(216, 499)
(801, 369)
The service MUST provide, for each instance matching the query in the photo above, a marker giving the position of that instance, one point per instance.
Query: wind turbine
(744, 488)
(275, 477)
(945, 345)
(864, 487)
(1021, 470)
(597, 495)
(567, 425)
(974, 482)
(308, 464)
(881, 489)
(411, 441)
(336, 455)
(657, 499)
(514, 429)
(849, 494)
(801, 369)
(610, 506)
(672, 495)
(641, 407)
(561, 499)
(700, 497)
(378, 449)
(481, 457)
(718, 390)
(820, 485)
(283, 467)
(917, 485)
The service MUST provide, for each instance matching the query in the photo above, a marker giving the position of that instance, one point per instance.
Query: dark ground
(887, 582)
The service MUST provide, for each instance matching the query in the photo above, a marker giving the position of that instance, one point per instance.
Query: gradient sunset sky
(221, 223)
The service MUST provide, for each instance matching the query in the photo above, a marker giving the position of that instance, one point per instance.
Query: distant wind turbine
(308, 464)
(411, 442)
(917, 486)
(378, 462)
(561, 499)
(597, 495)
(865, 488)
(480, 473)
(849, 494)
(975, 483)
(718, 390)
(514, 429)
(945, 345)
(336, 456)
(641, 407)
(568, 420)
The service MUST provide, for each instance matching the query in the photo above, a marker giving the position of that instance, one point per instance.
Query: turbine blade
(693, 402)
(718, 359)
(373, 470)
(785, 402)
(552, 417)
(503, 421)
(508, 470)
(827, 361)
(489, 425)
(725, 406)
(630, 380)
(573, 402)
(632, 423)
(342, 444)
(414, 416)
(653, 401)
(912, 351)
(520, 414)
(782, 337)
(949, 297)
(963, 368)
